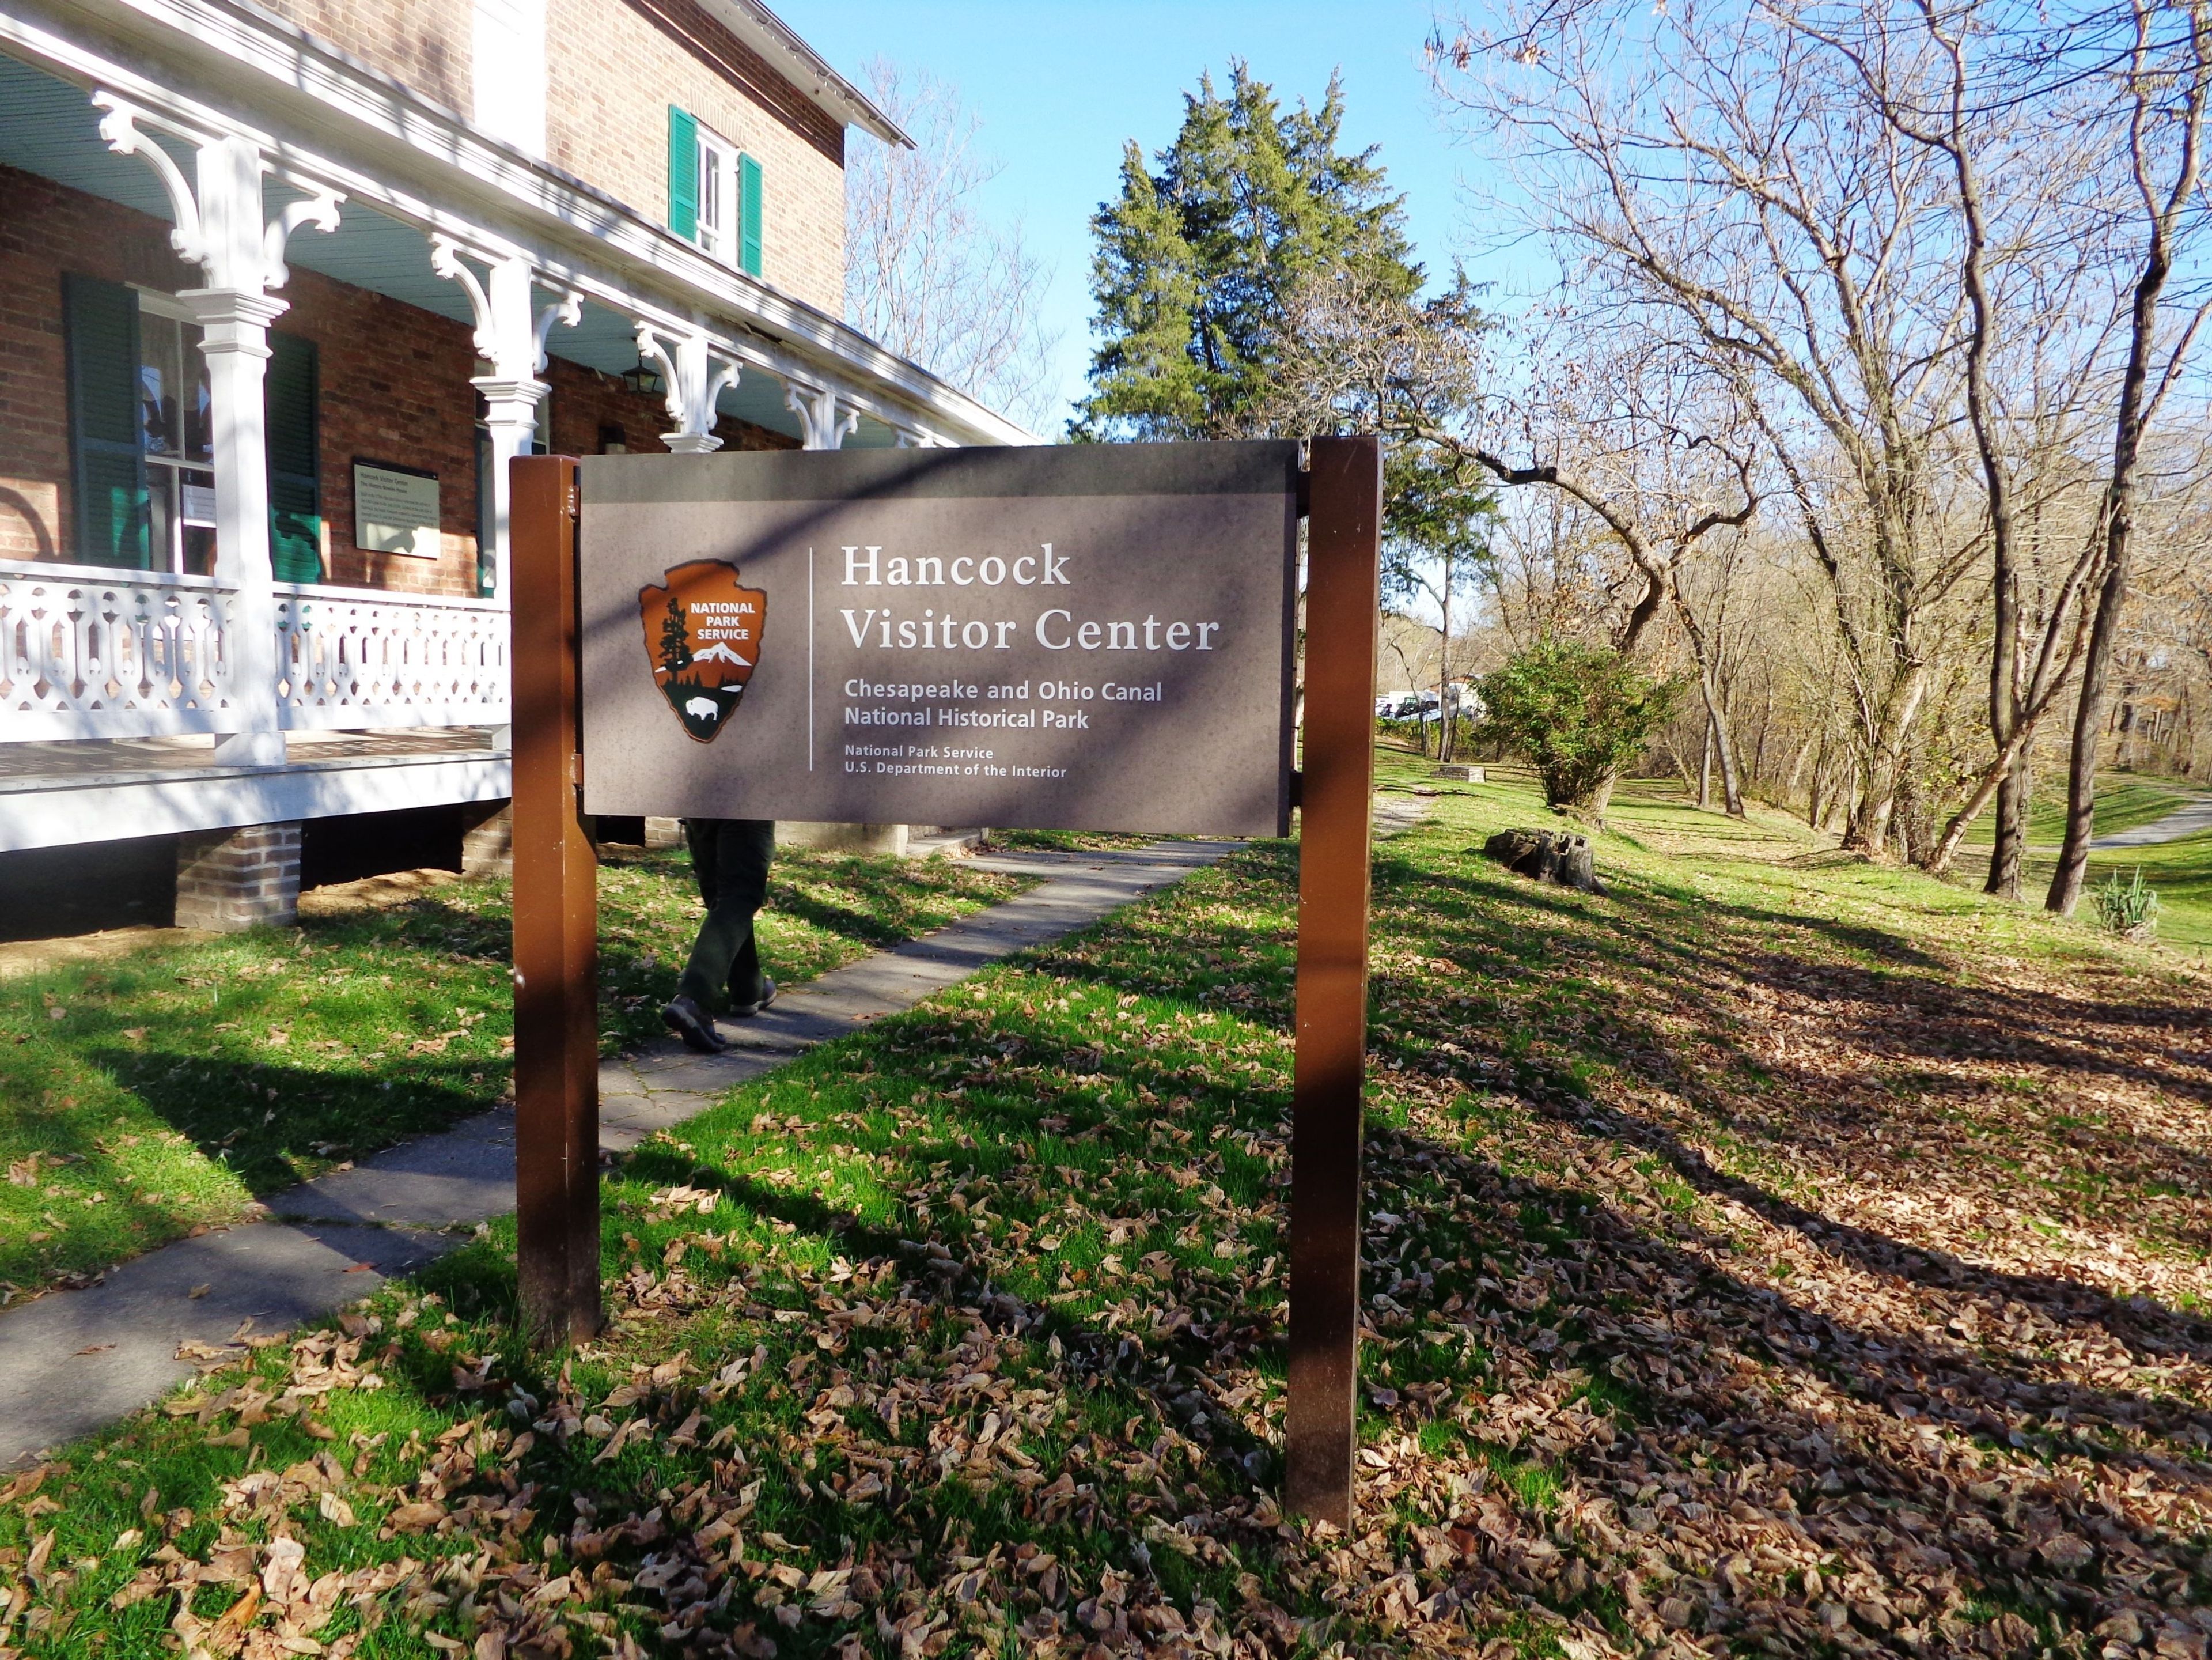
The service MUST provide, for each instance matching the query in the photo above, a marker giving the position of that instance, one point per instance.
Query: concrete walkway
(2182, 821)
(74, 1361)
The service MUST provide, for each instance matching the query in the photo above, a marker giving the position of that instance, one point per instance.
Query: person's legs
(746, 849)
(730, 857)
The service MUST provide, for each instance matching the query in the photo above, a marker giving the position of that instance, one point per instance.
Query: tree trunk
(2137, 405)
(1443, 669)
(1592, 803)
(1705, 770)
(2010, 853)
(1876, 803)
(2073, 871)
(1992, 783)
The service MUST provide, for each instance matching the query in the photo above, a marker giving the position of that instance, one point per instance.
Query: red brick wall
(394, 384)
(395, 381)
(424, 44)
(395, 387)
(613, 66)
(607, 121)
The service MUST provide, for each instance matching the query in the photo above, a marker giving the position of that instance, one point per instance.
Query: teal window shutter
(749, 209)
(682, 173)
(295, 490)
(108, 456)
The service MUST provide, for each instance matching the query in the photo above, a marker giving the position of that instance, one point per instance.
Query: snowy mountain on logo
(720, 665)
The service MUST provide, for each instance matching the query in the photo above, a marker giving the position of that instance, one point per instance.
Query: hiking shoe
(746, 1010)
(691, 1023)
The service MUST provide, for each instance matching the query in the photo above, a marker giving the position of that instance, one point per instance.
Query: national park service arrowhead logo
(703, 636)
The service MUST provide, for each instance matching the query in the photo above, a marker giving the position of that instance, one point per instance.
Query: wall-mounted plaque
(395, 509)
(1079, 636)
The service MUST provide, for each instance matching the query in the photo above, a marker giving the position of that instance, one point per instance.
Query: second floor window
(715, 192)
(718, 167)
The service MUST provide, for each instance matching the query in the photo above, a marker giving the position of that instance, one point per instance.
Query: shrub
(2129, 908)
(1579, 714)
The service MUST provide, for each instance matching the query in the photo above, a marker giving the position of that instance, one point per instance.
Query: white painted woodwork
(88, 653)
(824, 417)
(696, 373)
(350, 658)
(507, 49)
(511, 335)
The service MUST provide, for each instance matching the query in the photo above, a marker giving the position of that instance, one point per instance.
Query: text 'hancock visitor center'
(282, 286)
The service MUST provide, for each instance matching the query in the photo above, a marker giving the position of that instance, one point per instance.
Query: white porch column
(511, 332)
(221, 226)
(236, 337)
(696, 376)
(823, 417)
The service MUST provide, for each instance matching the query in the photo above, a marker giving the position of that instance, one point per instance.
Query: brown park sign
(1096, 638)
(1080, 636)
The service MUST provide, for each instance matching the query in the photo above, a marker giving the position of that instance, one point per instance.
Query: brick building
(282, 287)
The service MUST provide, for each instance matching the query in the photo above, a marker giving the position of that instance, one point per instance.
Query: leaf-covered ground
(1776, 1255)
(168, 1089)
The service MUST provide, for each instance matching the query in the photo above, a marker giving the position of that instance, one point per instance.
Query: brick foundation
(488, 840)
(238, 878)
(664, 832)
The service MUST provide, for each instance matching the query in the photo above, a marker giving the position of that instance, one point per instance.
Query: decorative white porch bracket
(221, 227)
(696, 374)
(824, 417)
(511, 332)
(919, 438)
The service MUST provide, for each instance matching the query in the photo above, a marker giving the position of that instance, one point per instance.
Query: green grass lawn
(171, 1089)
(2124, 801)
(2181, 872)
(1779, 1254)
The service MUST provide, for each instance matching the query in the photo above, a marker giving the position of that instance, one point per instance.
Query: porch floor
(107, 761)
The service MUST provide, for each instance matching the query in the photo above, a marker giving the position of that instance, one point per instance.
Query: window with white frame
(178, 434)
(718, 196)
(715, 192)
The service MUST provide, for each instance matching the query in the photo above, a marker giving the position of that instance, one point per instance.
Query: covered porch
(190, 612)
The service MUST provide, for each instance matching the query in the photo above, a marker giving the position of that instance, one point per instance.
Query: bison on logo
(703, 636)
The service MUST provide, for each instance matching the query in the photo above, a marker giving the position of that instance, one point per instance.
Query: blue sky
(1059, 86)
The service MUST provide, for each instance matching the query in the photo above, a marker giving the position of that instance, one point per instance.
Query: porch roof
(618, 255)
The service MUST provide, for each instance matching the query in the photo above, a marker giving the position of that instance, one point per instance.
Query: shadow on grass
(315, 1112)
(1909, 1016)
(1821, 1426)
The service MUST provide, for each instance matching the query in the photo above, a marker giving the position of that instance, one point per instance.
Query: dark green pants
(730, 857)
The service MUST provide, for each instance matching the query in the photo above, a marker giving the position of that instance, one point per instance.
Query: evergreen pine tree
(675, 641)
(1196, 262)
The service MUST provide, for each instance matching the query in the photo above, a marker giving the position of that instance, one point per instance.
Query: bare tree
(1705, 176)
(2166, 83)
(2047, 288)
(929, 274)
(1931, 243)
(1660, 457)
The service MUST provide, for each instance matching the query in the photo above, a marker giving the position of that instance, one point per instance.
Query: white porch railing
(360, 657)
(87, 652)
(91, 652)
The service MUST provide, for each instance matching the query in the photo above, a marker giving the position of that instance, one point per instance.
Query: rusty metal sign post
(557, 914)
(556, 922)
(1337, 788)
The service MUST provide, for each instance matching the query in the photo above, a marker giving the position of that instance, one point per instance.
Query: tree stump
(1556, 856)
